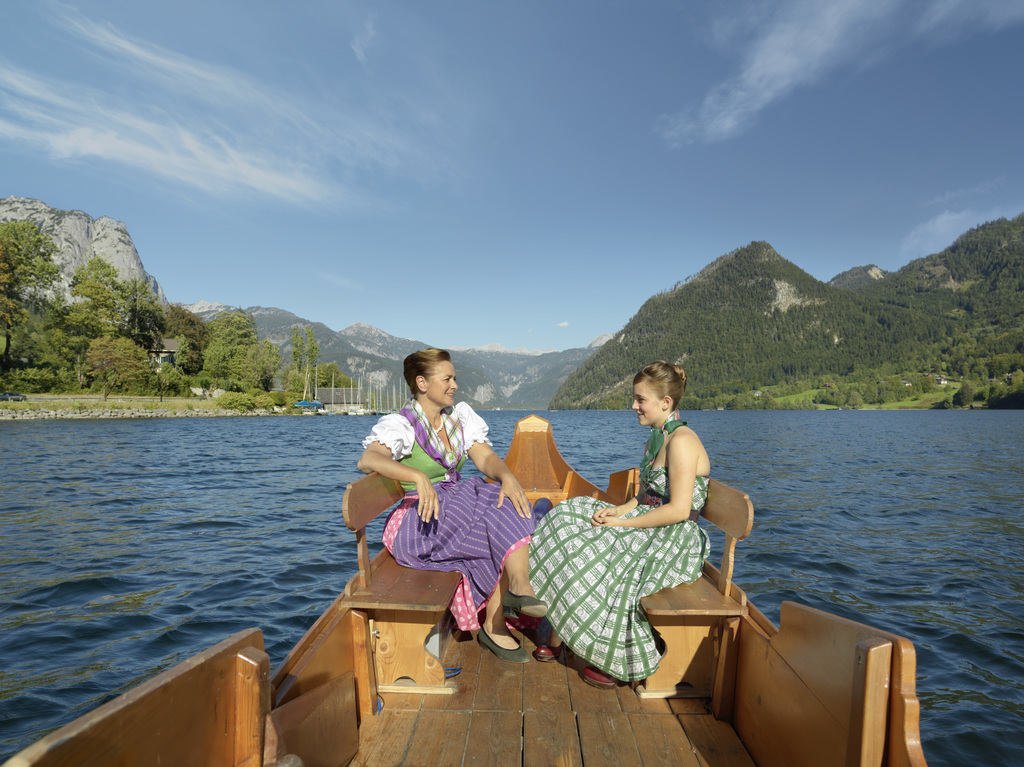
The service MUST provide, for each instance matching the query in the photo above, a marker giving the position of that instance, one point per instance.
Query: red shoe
(595, 678)
(546, 654)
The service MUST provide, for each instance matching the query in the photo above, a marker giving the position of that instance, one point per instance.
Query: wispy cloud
(563, 325)
(207, 127)
(364, 39)
(342, 282)
(978, 190)
(802, 42)
(940, 231)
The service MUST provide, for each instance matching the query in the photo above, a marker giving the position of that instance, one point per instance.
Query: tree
(116, 361)
(142, 316)
(27, 273)
(305, 354)
(261, 363)
(217, 361)
(192, 335)
(233, 334)
(97, 312)
(965, 396)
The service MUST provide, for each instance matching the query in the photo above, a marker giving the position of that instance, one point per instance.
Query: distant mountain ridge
(748, 319)
(489, 377)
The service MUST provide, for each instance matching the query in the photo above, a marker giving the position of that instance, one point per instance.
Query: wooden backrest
(827, 690)
(364, 500)
(732, 512)
(367, 498)
(208, 710)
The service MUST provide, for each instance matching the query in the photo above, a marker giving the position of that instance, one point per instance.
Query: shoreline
(25, 414)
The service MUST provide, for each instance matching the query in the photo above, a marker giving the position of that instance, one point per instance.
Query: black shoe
(518, 655)
(513, 605)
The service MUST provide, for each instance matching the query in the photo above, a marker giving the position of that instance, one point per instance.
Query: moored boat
(374, 680)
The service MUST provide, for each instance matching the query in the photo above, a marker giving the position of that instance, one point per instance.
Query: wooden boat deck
(541, 714)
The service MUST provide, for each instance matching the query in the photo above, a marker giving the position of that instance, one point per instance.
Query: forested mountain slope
(752, 319)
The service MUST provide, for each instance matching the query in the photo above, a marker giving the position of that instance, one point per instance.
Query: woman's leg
(517, 565)
(494, 620)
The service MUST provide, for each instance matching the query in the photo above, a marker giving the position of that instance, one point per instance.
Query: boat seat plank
(701, 597)
(405, 588)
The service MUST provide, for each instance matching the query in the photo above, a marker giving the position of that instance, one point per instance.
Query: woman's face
(650, 410)
(439, 387)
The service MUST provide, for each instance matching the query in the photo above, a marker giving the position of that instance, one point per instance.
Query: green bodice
(419, 459)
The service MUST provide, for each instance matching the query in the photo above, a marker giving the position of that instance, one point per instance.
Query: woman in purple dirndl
(445, 523)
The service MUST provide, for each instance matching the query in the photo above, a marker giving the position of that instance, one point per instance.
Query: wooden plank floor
(539, 715)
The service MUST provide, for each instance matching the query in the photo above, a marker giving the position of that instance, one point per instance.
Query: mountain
(489, 377)
(78, 238)
(751, 319)
(858, 277)
(978, 281)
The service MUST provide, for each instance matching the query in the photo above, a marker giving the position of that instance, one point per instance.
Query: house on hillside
(164, 353)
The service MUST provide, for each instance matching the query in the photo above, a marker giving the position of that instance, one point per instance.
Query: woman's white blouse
(396, 433)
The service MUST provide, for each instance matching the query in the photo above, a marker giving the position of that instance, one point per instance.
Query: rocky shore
(11, 414)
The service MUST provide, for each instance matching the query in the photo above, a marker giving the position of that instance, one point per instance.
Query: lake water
(128, 546)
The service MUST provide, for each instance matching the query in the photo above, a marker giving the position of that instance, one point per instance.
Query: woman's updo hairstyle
(422, 363)
(664, 379)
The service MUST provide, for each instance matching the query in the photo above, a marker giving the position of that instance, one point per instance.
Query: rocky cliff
(79, 237)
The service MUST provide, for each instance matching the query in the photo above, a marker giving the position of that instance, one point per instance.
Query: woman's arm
(684, 454)
(377, 457)
(492, 467)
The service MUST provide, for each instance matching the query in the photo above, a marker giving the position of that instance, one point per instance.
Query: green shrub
(236, 401)
(263, 400)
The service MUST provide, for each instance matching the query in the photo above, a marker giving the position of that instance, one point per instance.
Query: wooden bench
(406, 608)
(208, 710)
(699, 621)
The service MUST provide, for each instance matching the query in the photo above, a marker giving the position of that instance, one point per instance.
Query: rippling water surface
(128, 546)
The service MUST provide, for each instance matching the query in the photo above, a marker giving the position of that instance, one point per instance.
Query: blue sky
(526, 173)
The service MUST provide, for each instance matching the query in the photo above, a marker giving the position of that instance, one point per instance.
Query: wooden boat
(381, 678)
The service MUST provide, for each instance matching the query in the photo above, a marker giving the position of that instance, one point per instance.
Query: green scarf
(654, 443)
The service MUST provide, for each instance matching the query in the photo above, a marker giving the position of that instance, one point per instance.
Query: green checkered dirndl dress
(592, 578)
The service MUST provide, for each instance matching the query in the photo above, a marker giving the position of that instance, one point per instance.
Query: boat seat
(697, 621)
(406, 607)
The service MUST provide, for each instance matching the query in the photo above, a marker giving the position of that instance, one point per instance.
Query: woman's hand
(428, 506)
(608, 516)
(511, 489)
